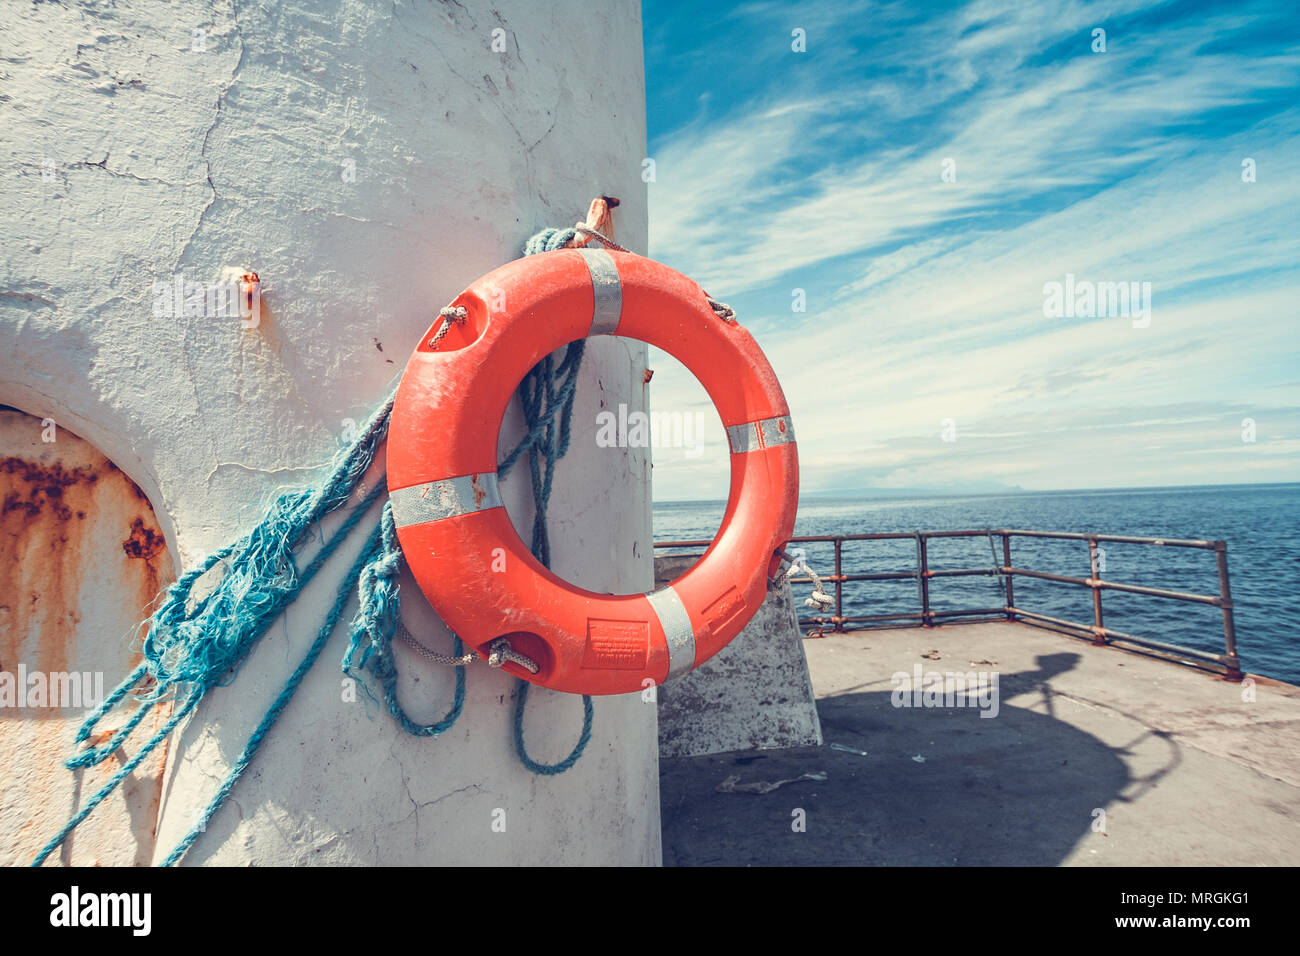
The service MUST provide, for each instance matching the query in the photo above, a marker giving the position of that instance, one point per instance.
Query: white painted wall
(169, 160)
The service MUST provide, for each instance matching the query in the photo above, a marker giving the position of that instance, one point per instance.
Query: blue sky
(822, 171)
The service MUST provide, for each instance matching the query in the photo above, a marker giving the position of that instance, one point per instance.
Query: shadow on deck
(1174, 763)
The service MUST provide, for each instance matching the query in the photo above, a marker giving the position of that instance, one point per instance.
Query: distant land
(927, 491)
(986, 488)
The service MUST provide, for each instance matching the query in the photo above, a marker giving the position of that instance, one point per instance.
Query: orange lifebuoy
(442, 481)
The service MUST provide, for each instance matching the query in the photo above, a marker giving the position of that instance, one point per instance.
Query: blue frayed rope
(370, 645)
(545, 391)
(196, 642)
(546, 395)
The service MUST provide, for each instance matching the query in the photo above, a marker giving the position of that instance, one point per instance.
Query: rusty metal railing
(1228, 664)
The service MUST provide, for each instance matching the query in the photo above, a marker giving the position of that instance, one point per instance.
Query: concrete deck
(1185, 770)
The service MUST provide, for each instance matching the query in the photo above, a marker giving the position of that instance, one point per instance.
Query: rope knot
(387, 565)
(819, 600)
(723, 311)
(451, 315)
(500, 653)
(497, 652)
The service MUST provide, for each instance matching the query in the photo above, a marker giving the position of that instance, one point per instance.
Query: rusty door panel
(82, 559)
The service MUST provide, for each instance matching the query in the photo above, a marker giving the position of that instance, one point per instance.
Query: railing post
(839, 589)
(1094, 578)
(1007, 575)
(923, 579)
(1225, 603)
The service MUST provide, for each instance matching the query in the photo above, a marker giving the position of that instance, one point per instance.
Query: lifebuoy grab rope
(819, 599)
(443, 477)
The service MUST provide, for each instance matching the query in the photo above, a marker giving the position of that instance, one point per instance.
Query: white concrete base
(754, 694)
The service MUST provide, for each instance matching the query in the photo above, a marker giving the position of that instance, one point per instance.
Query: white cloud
(926, 298)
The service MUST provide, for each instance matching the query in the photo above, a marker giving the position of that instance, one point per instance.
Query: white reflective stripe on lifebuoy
(608, 290)
(447, 498)
(676, 622)
(755, 436)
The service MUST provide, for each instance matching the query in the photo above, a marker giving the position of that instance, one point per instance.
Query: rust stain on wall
(43, 510)
(81, 560)
(143, 542)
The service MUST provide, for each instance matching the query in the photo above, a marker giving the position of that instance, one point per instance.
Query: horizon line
(924, 493)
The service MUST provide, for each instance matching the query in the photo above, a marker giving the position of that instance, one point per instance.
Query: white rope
(819, 599)
(501, 652)
(451, 314)
(585, 230)
(723, 311)
(498, 654)
(432, 655)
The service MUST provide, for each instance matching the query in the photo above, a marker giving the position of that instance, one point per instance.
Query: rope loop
(543, 769)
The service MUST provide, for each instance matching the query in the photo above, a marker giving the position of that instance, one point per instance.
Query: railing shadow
(938, 787)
